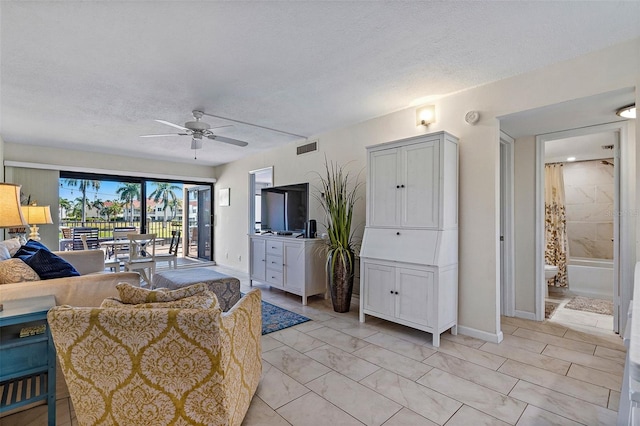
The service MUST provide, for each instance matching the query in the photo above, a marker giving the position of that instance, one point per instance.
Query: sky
(106, 192)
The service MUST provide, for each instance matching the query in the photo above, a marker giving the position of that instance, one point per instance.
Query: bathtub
(591, 277)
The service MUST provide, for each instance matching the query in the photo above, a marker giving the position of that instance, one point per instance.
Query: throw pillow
(204, 300)
(16, 271)
(12, 245)
(4, 252)
(48, 265)
(136, 295)
(29, 248)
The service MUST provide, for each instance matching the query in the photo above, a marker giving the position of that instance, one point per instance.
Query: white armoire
(409, 254)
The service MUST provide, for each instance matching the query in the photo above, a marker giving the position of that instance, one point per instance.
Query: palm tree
(83, 185)
(97, 204)
(113, 209)
(129, 192)
(164, 193)
(64, 205)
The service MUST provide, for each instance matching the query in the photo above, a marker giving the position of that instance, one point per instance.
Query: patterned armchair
(160, 365)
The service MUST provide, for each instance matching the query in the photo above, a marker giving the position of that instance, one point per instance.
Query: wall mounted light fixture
(627, 112)
(425, 115)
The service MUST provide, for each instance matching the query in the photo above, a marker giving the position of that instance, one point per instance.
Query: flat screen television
(284, 208)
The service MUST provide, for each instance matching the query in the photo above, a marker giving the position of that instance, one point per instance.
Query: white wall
(479, 164)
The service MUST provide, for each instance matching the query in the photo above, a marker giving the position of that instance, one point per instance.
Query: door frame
(252, 196)
(507, 220)
(624, 229)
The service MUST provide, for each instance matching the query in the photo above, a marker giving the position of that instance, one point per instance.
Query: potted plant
(338, 197)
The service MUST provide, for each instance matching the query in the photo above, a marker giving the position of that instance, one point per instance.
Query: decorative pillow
(136, 295)
(16, 271)
(204, 300)
(4, 252)
(29, 248)
(12, 245)
(48, 265)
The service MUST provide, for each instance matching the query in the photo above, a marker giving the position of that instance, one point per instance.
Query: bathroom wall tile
(589, 212)
(563, 405)
(534, 416)
(475, 373)
(581, 247)
(473, 355)
(579, 194)
(426, 402)
(343, 362)
(603, 250)
(597, 363)
(399, 364)
(312, 410)
(541, 361)
(295, 364)
(489, 402)
(587, 348)
(368, 406)
(605, 193)
(604, 231)
(596, 377)
(567, 385)
(406, 417)
(580, 230)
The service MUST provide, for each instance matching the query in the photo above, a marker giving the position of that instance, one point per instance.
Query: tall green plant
(338, 197)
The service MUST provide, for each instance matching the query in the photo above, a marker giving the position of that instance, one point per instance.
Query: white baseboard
(479, 334)
(524, 315)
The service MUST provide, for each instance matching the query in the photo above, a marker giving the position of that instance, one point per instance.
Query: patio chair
(172, 256)
(91, 238)
(142, 255)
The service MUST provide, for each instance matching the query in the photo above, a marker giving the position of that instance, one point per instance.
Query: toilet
(550, 271)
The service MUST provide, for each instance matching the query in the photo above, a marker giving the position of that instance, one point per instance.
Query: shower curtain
(555, 222)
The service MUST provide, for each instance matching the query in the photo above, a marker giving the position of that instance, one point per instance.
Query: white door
(415, 296)
(293, 267)
(419, 185)
(383, 188)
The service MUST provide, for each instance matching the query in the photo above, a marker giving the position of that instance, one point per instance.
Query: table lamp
(10, 213)
(36, 215)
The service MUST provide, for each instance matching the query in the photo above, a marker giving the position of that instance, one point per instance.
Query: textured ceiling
(94, 75)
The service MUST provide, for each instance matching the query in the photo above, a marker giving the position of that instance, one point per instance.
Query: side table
(27, 364)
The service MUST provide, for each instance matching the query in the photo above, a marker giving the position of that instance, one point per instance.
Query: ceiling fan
(197, 130)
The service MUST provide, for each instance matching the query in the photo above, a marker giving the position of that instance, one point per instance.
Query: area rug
(587, 304)
(549, 308)
(275, 318)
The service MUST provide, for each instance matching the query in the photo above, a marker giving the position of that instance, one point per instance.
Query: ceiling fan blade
(228, 140)
(166, 134)
(172, 125)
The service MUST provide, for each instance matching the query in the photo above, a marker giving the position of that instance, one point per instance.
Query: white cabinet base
(295, 265)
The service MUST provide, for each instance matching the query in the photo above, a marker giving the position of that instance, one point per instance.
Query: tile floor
(335, 371)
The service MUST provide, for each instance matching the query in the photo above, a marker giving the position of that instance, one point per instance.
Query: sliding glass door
(200, 243)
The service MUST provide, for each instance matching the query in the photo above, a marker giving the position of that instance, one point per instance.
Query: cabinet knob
(396, 292)
(401, 186)
(391, 292)
(398, 233)
(398, 186)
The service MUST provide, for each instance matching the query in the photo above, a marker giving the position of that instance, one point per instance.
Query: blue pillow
(48, 265)
(29, 248)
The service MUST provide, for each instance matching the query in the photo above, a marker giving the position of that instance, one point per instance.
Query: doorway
(588, 159)
(199, 237)
(258, 179)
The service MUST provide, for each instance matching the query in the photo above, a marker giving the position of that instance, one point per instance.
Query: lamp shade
(10, 213)
(37, 215)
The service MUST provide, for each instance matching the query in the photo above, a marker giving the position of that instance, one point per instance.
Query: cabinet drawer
(24, 357)
(274, 263)
(275, 277)
(274, 247)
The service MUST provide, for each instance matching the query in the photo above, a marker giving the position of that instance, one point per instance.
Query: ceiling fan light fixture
(627, 112)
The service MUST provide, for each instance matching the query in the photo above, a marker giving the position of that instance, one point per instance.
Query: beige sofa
(89, 289)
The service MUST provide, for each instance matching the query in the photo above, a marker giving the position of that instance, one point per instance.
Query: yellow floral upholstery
(160, 366)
